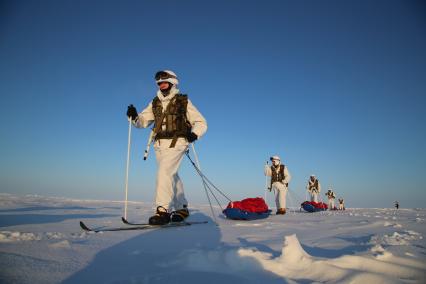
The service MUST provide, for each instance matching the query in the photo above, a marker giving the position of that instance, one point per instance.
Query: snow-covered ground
(41, 242)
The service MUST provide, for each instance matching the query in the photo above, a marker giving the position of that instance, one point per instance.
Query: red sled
(312, 206)
(247, 209)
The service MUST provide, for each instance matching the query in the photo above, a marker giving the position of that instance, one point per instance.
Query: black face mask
(166, 92)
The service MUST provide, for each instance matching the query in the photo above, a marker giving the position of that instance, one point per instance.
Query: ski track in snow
(41, 242)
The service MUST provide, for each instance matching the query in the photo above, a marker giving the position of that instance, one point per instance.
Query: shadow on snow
(42, 208)
(25, 219)
(190, 254)
(359, 244)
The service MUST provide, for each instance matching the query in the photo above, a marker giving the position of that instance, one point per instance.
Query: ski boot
(281, 211)
(180, 215)
(162, 217)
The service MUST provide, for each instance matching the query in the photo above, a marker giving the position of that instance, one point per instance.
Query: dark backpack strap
(283, 173)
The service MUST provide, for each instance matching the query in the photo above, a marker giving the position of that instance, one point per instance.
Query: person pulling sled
(331, 197)
(341, 204)
(280, 177)
(314, 188)
(177, 123)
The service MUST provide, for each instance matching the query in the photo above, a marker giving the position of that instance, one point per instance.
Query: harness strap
(174, 140)
(159, 123)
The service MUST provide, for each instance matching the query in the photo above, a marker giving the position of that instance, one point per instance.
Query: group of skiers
(176, 124)
(314, 188)
(280, 177)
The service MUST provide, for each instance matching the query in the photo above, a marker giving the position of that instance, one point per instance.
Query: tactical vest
(313, 186)
(173, 118)
(277, 176)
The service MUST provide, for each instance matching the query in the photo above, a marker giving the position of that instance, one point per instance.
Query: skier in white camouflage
(176, 124)
(331, 197)
(341, 204)
(314, 188)
(280, 177)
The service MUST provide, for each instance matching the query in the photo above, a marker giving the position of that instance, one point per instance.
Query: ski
(136, 227)
(124, 220)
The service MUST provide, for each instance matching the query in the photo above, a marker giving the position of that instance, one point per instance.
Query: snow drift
(294, 263)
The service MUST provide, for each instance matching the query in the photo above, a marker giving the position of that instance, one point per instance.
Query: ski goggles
(161, 75)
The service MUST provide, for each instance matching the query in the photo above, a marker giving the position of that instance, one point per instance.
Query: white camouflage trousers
(169, 187)
(314, 196)
(330, 203)
(280, 191)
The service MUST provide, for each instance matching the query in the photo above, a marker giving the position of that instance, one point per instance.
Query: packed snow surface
(41, 242)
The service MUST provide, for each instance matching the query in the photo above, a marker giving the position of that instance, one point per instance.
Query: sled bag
(247, 209)
(312, 206)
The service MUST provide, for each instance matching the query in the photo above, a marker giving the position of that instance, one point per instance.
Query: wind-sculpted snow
(397, 238)
(7, 236)
(352, 246)
(294, 263)
(10, 236)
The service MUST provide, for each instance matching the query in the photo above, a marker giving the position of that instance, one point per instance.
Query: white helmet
(275, 158)
(166, 76)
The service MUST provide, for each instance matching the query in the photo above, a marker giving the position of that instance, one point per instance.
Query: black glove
(192, 137)
(132, 112)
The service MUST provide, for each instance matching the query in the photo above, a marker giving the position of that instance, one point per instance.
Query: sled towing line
(134, 227)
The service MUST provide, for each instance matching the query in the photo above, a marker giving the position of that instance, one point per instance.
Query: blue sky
(336, 88)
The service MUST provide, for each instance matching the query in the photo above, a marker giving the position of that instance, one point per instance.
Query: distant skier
(331, 196)
(314, 188)
(341, 204)
(397, 205)
(176, 124)
(280, 177)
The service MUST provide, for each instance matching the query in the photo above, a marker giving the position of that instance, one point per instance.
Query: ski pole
(151, 136)
(127, 167)
(266, 183)
(196, 156)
